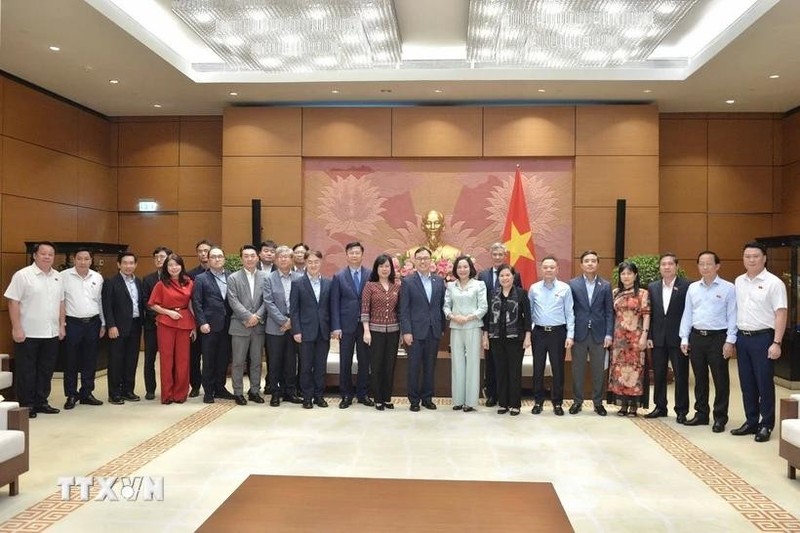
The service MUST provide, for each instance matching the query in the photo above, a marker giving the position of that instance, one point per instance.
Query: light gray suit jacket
(244, 304)
(275, 299)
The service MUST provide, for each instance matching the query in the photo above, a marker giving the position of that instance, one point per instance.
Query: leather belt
(548, 329)
(753, 333)
(709, 332)
(85, 320)
(178, 308)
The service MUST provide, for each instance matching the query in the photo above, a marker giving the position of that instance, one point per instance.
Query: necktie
(357, 279)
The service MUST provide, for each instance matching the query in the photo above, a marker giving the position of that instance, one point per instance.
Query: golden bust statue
(432, 225)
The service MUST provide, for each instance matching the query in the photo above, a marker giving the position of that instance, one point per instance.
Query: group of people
(201, 320)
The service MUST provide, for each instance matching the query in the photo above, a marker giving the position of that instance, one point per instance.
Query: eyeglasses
(216, 256)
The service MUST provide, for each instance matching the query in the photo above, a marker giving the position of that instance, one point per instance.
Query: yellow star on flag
(517, 245)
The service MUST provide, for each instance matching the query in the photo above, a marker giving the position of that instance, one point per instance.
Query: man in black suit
(489, 278)
(123, 308)
(422, 324)
(667, 302)
(195, 376)
(160, 255)
(311, 328)
(266, 256)
(213, 316)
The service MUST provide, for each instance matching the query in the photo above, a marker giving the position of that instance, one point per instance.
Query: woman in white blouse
(464, 306)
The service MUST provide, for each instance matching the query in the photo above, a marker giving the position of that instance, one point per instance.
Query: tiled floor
(611, 474)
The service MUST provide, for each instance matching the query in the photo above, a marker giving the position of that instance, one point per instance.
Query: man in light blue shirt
(708, 335)
(553, 332)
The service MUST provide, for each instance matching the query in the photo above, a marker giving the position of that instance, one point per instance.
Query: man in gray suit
(280, 345)
(245, 297)
(594, 327)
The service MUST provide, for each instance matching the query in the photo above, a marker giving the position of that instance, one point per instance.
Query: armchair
(14, 445)
(789, 447)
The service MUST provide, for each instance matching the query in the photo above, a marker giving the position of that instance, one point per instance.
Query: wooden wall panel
(94, 138)
(143, 232)
(6, 341)
(35, 172)
(281, 224)
(97, 186)
(683, 142)
(200, 188)
(594, 230)
(262, 131)
(437, 132)
(195, 226)
(683, 189)
(25, 219)
(740, 142)
(32, 116)
(529, 131)
(740, 189)
(684, 234)
(156, 183)
(791, 188)
(601, 180)
(791, 138)
(616, 130)
(728, 233)
(149, 144)
(276, 180)
(641, 231)
(347, 132)
(605, 266)
(97, 226)
(201, 142)
(9, 264)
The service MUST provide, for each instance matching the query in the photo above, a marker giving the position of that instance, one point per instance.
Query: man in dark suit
(667, 302)
(266, 256)
(195, 376)
(489, 278)
(422, 324)
(311, 328)
(213, 316)
(160, 255)
(594, 327)
(123, 308)
(346, 289)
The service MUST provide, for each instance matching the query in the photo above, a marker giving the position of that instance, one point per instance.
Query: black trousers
(705, 354)
(508, 369)
(123, 360)
(35, 361)
(314, 360)
(81, 345)
(282, 364)
(490, 374)
(150, 351)
(216, 349)
(383, 358)
(353, 342)
(422, 356)
(552, 343)
(195, 356)
(680, 368)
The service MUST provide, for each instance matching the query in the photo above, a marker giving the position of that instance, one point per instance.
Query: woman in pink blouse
(379, 305)
(171, 300)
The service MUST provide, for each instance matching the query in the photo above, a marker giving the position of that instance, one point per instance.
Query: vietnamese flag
(517, 236)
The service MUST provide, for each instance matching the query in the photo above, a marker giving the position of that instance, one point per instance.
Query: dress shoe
(632, 412)
(208, 398)
(718, 427)
(240, 400)
(293, 399)
(744, 429)
(458, 407)
(427, 404)
(514, 411)
(150, 396)
(575, 408)
(502, 410)
(70, 403)
(468, 409)
(224, 394)
(255, 397)
(623, 411)
(116, 400)
(388, 405)
(274, 401)
(130, 397)
(90, 400)
(697, 420)
(379, 406)
(366, 401)
(763, 434)
(414, 407)
(656, 413)
(195, 392)
(31, 413)
(491, 401)
(320, 402)
(47, 409)
(600, 410)
(345, 403)
(308, 405)
(537, 409)
(681, 418)
(558, 410)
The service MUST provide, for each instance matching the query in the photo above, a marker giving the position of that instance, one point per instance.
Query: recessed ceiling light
(113, 82)
(55, 48)
(334, 91)
(233, 93)
(157, 105)
(731, 101)
(774, 76)
(647, 91)
(438, 91)
(541, 90)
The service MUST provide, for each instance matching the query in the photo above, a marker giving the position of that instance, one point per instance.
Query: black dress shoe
(762, 435)
(458, 407)
(31, 413)
(600, 410)
(379, 406)
(575, 408)
(468, 409)
(414, 407)
(718, 427)
(293, 399)
(240, 400)
(514, 411)
(90, 400)
(274, 401)
(656, 413)
(116, 400)
(195, 392)
(744, 429)
(558, 410)
(697, 420)
(388, 405)
(537, 409)
(224, 395)
(680, 419)
(345, 403)
(502, 410)
(150, 396)
(208, 398)
(491, 401)
(320, 402)
(70, 403)
(47, 409)
(255, 397)
(366, 401)
(308, 405)
(131, 397)
(427, 404)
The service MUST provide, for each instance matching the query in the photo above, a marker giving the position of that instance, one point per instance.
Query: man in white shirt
(36, 309)
(83, 291)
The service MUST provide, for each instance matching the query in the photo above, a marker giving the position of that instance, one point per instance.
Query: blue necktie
(357, 279)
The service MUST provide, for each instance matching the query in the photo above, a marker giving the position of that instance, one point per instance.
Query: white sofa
(790, 434)
(14, 445)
